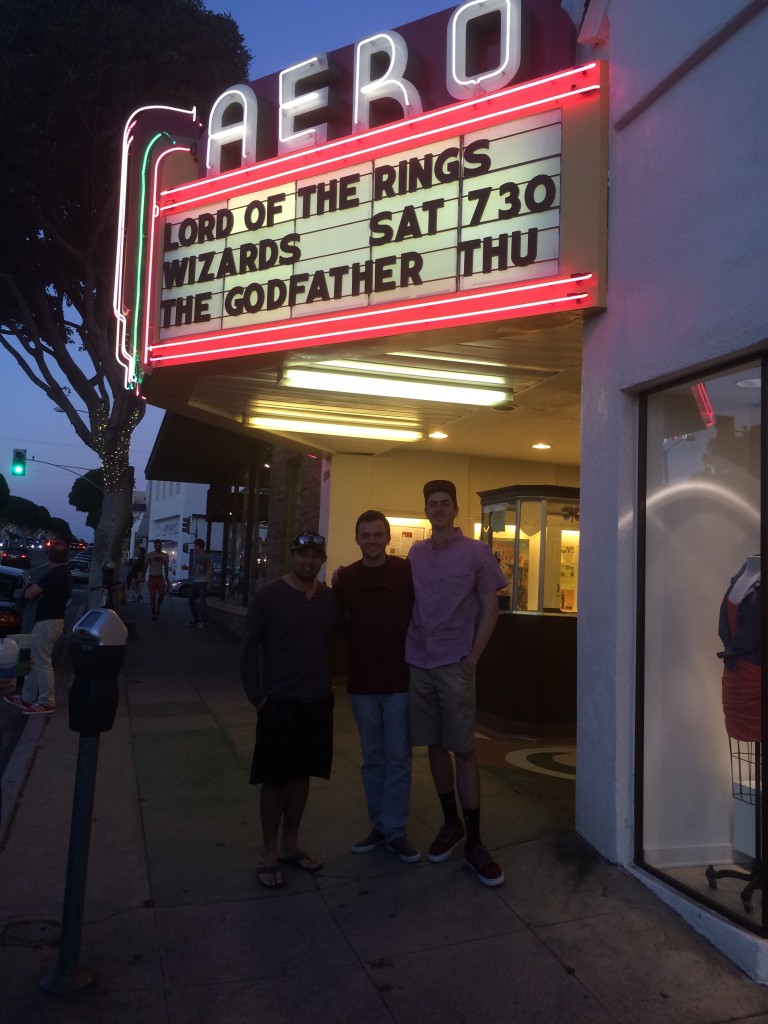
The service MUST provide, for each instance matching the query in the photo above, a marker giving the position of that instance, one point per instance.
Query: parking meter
(97, 649)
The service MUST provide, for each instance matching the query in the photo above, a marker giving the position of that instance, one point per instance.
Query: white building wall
(168, 504)
(688, 234)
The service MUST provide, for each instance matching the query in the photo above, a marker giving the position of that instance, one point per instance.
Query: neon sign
(445, 217)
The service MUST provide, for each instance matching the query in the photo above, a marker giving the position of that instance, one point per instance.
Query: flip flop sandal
(264, 871)
(302, 860)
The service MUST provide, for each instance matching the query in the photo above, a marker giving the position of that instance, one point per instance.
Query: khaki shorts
(442, 703)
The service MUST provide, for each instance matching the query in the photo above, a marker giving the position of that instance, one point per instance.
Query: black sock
(450, 808)
(472, 824)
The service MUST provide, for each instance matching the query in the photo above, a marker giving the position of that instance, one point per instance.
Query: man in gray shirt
(286, 675)
(202, 568)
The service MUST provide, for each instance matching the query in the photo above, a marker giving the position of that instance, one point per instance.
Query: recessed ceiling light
(750, 382)
(542, 445)
(438, 435)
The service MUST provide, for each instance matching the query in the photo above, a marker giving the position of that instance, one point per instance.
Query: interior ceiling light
(542, 445)
(385, 381)
(438, 435)
(370, 432)
(750, 382)
(421, 372)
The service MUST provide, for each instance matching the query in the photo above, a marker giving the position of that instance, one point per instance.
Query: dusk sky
(277, 35)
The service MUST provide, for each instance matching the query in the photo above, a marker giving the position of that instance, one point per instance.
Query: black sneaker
(372, 840)
(404, 850)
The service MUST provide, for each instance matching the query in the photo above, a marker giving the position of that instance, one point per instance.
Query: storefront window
(235, 570)
(699, 813)
(246, 539)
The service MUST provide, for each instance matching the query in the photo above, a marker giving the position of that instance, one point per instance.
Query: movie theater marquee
(474, 210)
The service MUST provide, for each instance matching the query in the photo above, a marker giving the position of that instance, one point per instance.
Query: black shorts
(294, 739)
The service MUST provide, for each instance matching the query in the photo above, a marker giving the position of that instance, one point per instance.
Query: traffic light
(19, 464)
(185, 524)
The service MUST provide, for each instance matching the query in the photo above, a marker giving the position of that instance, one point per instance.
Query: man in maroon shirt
(376, 593)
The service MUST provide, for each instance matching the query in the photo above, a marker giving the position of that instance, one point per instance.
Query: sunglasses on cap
(308, 540)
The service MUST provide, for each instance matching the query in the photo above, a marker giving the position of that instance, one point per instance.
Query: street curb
(18, 768)
(21, 760)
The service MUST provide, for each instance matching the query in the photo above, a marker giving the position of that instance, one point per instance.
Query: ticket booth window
(534, 534)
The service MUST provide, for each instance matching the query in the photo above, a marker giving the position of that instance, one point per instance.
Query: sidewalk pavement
(176, 929)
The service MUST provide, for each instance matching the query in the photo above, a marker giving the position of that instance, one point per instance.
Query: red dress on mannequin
(741, 693)
(742, 676)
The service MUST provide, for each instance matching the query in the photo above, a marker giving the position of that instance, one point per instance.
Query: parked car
(16, 558)
(80, 569)
(11, 579)
(183, 588)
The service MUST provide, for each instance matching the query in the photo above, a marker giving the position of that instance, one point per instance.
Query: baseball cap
(442, 487)
(308, 539)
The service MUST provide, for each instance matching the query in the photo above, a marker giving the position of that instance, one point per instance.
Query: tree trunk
(113, 526)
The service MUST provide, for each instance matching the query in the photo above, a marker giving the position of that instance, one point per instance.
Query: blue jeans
(199, 593)
(385, 741)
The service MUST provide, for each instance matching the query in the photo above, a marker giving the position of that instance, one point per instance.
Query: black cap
(442, 487)
(58, 552)
(308, 539)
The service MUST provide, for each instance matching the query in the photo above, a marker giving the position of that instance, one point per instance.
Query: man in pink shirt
(455, 581)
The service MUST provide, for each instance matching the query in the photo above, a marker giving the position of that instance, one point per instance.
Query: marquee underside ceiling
(539, 360)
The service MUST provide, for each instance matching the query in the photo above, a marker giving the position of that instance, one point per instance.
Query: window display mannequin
(740, 631)
(740, 627)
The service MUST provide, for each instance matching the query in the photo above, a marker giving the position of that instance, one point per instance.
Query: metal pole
(68, 976)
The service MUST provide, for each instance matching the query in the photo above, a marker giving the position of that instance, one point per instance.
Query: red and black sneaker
(16, 700)
(446, 841)
(484, 866)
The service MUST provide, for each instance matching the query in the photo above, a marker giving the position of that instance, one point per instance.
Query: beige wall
(393, 484)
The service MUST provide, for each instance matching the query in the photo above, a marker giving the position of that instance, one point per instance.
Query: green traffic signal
(19, 464)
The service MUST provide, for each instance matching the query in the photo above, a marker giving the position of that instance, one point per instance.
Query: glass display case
(526, 678)
(534, 534)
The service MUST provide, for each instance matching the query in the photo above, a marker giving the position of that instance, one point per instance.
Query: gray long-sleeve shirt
(284, 651)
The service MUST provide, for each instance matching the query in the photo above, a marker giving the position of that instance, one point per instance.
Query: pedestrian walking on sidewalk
(135, 574)
(50, 592)
(202, 570)
(136, 569)
(286, 675)
(455, 580)
(157, 577)
(376, 594)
